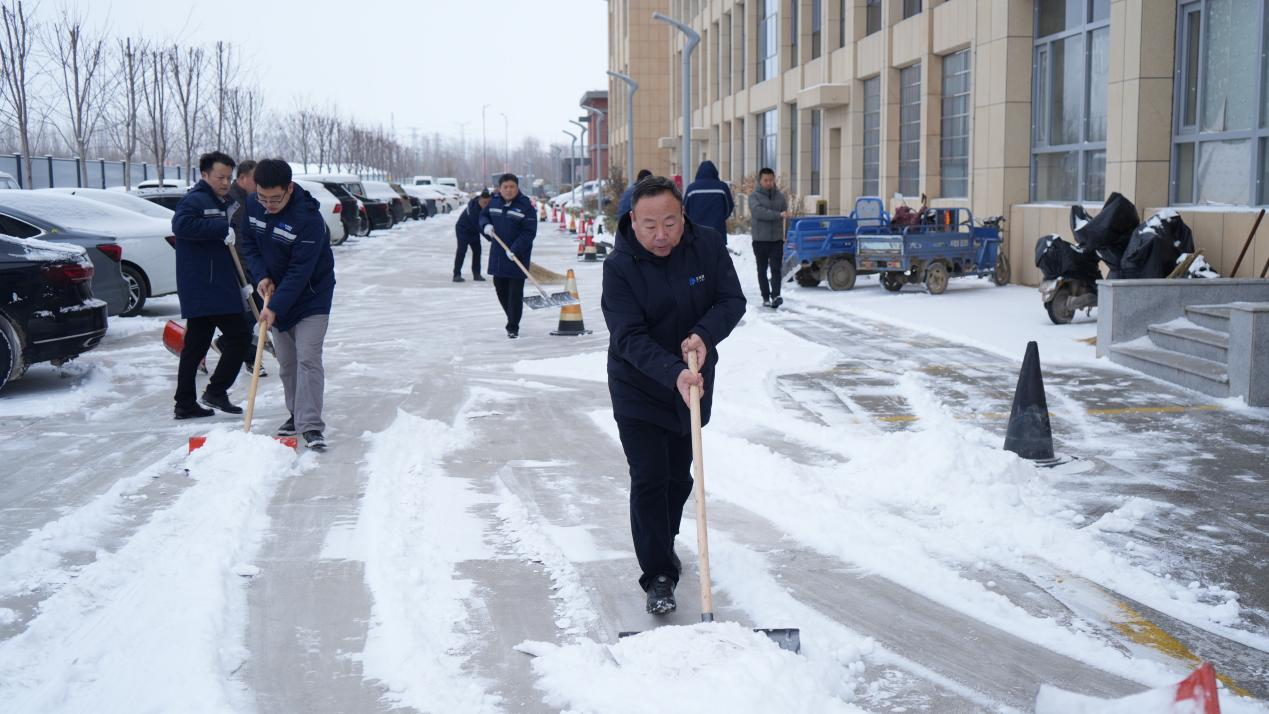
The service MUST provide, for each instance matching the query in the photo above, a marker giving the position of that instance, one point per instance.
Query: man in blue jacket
(623, 206)
(669, 289)
(708, 201)
(511, 217)
(468, 230)
(207, 285)
(287, 247)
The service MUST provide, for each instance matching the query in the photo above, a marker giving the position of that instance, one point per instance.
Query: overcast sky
(425, 64)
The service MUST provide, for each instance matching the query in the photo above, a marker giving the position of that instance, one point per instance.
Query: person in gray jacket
(768, 208)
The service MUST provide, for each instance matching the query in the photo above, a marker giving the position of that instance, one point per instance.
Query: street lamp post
(631, 87)
(506, 145)
(572, 159)
(584, 156)
(690, 42)
(484, 156)
(603, 120)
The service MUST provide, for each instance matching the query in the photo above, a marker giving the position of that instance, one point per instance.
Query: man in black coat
(669, 289)
(467, 228)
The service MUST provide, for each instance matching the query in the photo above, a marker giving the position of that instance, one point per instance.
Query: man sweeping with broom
(670, 290)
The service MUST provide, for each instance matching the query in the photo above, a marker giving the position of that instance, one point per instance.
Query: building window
(910, 130)
(793, 147)
(872, 16)
(817, 28)
(1069, 85)
(724, 56)
(768, 40)
(954, 141)
(767, 139)
(739, 132)
(910, 8)
(816, 129)
(744, 49)
(872, 137)
(793, 32)
(1221, 123)
(841, 24)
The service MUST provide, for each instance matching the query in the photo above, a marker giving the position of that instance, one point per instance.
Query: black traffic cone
(1029, 434)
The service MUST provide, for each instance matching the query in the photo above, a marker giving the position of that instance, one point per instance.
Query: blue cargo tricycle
(945, 244)
(822, 248)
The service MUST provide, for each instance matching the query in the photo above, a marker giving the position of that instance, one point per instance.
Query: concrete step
(1201, 375)
(1183, 336)
(1213, 317)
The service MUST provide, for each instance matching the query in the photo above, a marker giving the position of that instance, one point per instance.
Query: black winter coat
(651, 305)
(708, 201)
(206, 279)
(468, 225)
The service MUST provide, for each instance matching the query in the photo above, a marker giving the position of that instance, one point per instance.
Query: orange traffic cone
(562, 226)
(542, 212)
(589, 254)
(572, 223)
(571, 315)
(554, 217)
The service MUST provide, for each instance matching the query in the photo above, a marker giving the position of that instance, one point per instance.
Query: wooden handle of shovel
(698, 495)
(520, 265)
(255, 373)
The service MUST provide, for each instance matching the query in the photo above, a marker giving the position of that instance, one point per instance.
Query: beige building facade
(638, 47)
(1009, 107)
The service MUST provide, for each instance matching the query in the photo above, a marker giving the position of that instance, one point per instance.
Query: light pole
(506, 145)
(603, 116)
(484, 156)
(690, 42)
(572, 160)
(631, 87)
(583, 142)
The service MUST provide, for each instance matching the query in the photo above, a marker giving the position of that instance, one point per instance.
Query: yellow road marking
(1144, 632)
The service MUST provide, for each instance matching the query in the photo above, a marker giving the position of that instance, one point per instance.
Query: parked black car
(379, 212)
(47, 309)
(350, 212)
(105, 253)
(412, 203)
(165, 197)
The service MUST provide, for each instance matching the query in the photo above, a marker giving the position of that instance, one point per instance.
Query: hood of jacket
(707, 170)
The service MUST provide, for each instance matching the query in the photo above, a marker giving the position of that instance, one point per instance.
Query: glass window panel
(1057, 176)
(817, 27)
(954, 143)
(872, 137)
(816, 128)
(1098, 82)
(1264, 171)
(1229, 58)
(1184, 167)
(910, 130)
(793, 147)
(1100, 10)
(1067, 91)
(1040, 84)
(1189, 112)
(1095, 176)
(1222, 172)
(841, 24)
(910, 8)
(1059, 15)
(872, 20)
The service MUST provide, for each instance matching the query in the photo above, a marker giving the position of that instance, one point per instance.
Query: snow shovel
(788, 638)
(536, 302)
(197, 441)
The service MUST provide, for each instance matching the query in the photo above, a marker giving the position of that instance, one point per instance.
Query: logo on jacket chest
(697, 280)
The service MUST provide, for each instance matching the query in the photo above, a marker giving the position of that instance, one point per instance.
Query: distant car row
(69, 257)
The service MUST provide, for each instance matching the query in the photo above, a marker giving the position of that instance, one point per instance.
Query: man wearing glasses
(288, 251)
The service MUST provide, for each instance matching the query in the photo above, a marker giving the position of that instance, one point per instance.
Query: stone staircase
(1192, 351)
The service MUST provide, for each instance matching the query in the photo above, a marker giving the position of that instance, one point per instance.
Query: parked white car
(149, 250)
(331, 209)
(119, 200)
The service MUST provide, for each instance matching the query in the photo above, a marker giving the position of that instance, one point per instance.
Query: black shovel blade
(786, 638)
(539, 302)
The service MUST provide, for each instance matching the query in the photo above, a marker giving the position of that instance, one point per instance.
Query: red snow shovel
(197, 441)
(174, 332)
(536, 302)
(788, 638)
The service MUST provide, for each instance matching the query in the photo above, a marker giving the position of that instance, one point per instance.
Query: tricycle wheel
(936, 278)
(1059, 308)
(893, 281)
(806, 277)
(841, 275)
(1000, 275)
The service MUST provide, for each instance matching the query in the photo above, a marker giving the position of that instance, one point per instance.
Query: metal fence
(53, 172)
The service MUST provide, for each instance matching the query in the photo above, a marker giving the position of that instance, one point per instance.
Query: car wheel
(893, 281)
(11, 366)
(806, 277)
(137, 290)
(841, 275)
(363, 228)
(936, 278)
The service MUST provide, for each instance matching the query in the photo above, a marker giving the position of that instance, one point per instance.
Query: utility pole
(584, 156)
(572, 158)
(603, 115)
(692, 38)
(506, 145)
(631, 87)
(484, 155)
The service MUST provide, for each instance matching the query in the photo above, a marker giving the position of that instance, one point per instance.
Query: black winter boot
(661, 596)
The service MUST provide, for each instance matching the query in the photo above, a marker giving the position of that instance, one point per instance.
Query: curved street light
(631, 87)
(603, 118)
(692, 39)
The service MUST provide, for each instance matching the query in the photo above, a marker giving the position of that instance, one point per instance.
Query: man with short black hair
(623, 206)
(207, 286)
(243, 186)
(467, 229)
(669, 290)
(511, 217)
(287, 247)
(768, 208)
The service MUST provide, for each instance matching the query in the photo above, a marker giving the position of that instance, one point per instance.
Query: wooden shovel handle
(520, 265)
(698, 495)
(255, 371)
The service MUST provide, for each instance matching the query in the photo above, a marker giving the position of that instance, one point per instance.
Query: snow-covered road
(464, 544)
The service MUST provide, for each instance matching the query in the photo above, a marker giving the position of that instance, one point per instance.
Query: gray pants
(299, 353)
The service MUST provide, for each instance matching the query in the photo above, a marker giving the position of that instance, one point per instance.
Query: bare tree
(124, 120)
(15, 65)
(81, 83)
(154, 94)
(187, 67)
(226, 74)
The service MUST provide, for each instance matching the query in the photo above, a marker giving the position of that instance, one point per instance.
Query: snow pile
(716, 667)
(416, 526)
(1153, 701)
(106, 643)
